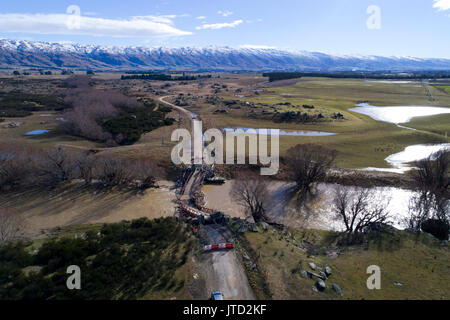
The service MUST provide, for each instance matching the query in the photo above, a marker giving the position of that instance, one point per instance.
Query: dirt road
(188, 113)
(223, 272)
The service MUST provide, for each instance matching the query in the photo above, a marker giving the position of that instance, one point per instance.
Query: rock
(264, 225)
(320, 284)
(312, 275)
(328, 271)
(312, 266)
(246, 257)
(323, 275)
(333, 254)
(314, 289)
(253, 267)
(337, 289)
(253, 228)
(13, 125)
(304, 273)
(398, 284)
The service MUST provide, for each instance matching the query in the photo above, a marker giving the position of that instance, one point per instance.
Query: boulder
(313, 275)
(253, 227)
(437, 228)
(327, 271)
(312, 265)
(304, 273)
(320, 284)
(337, 289)
(323, 275)
(314, 289)
(264, 225)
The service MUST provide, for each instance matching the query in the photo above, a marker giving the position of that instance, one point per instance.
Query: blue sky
(418, 28)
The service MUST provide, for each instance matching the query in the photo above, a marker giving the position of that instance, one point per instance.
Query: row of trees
(22, 166)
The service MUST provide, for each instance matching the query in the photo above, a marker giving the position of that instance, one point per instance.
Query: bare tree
(432, 182)
(86, 165)
(11, 225)
(11, 169)
(144, 172)
(358, 208)
(426, 205)
(250, 191)
(57, 165)
(113, 171)
(16, 166)
(308, 164)
(432, 173)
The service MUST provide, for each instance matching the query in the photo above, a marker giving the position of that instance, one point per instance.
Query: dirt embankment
(74, 205)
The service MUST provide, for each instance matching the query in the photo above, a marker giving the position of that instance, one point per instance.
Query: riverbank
(412, 266)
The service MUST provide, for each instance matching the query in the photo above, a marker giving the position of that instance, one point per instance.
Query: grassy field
(419, 264)
(444, 88)
(360, 140)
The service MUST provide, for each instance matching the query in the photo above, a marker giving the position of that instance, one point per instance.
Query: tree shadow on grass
(88, 203)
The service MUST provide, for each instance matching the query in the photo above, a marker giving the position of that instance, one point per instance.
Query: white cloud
(200, 18)
(256, 46)
(166, 19)
(225, 13)
(220, 25)
(253, 21)
(442, 5)
(142, 27)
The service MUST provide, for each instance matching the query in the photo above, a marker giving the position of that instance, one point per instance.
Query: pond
(401, 114)
(296, 133)
(401, 160)
(36, 132)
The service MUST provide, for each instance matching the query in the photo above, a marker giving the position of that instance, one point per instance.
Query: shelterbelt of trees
(275, 76)
(165, 77)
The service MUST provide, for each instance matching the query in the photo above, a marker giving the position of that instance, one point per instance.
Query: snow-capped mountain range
(15, 53)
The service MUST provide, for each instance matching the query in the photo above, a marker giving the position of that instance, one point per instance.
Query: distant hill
(15, 53)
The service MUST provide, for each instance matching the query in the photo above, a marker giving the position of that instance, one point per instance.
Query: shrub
(438, 228)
